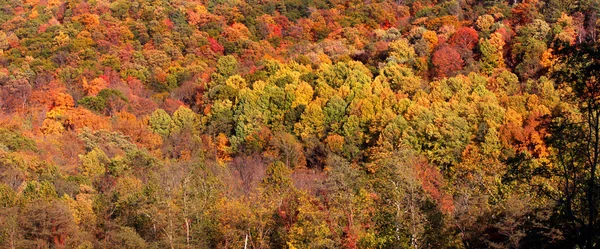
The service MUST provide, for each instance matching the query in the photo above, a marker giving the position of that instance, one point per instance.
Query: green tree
(335, 112)
(530, 45)
(160, 122)
(402, 52)
(399, 78)
(94, 163)
(491, 53)
(226, 66)
(185, 119)
(278, 177)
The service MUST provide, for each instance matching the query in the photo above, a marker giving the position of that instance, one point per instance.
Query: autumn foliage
(299, 124)
(464, 38)
(446, 60)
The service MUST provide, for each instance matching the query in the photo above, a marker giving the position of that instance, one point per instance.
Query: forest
(299, 124)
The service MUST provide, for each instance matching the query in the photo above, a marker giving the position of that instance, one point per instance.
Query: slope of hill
(299, 124)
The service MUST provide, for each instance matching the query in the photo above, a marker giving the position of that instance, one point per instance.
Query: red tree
(215, 46)
(446, 60)
(465, 38)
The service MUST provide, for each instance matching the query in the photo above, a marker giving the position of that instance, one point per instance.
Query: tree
(15, 94)
(577, 143)
(312, 122)
(290, 150)
(402, 51)
(465, 38)
(277, 178)
(125, 238)
(226, 66)
(399, 78)
(350, 203)
(14, 141)
(564, 29)
(529, 48)
(47, 224)
(3, 41)
(446, 60)
(10, 232)
(184, 119)
(335, 111)
(405, 208)
(95, 86)
(525, 12)
(94, 163)
(310, 229)
(160, 122)
(108, 102)
(492, 51)
(484, 23)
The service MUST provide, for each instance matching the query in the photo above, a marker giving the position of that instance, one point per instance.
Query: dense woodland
(299, 124)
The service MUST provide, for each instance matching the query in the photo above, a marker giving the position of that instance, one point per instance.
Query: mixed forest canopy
(299, 124)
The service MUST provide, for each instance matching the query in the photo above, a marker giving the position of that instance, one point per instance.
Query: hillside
(299, 124)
